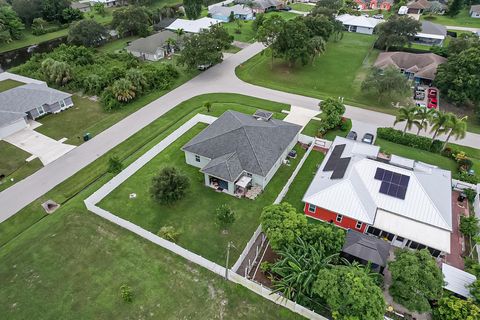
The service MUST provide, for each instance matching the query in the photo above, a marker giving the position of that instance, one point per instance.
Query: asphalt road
(220, 78)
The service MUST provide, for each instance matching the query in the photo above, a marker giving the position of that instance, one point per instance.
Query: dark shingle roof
(366, 247)
(151, 43)
(237, 142)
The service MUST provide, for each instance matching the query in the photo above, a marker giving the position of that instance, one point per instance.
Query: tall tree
(424, 115)
(88, 33)
(319, 26)
(350, 293)
(454, 7)
(52, 10)
(269, 31)
(292, 43)
(132, 20)
(193, 8)
(137, 78)
(397, 31)
(317, 46)
(169, 186)
(416, 279)
(70, 15)
(10, 25)
(332, 113)
(459, 79)
(123, 90)
(57, 72)
(330, 4)
(455, 127)
(386, 84)
(409, 116)
(28, 10)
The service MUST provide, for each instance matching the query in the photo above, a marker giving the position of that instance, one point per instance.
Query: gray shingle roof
(262, 4)
(14, 103)
(433, 28)
(225, 11)
(237, 142)
(366, 247)
(151, 43)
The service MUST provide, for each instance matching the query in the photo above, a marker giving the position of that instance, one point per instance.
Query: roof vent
(262, 115)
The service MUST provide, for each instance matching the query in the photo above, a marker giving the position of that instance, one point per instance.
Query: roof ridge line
(253, 149)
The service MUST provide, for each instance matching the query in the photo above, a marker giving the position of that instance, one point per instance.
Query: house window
(374, 231)
(339, 218)
(197, 158)
(62, 103)
(40, 110)
(311, 208)
(359, 225)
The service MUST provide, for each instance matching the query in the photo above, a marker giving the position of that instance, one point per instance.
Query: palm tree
(424, 115)
(407, 115)
(456, 127)
(180, 32)
(317, 45)
(123, 90)
(171, 44)
(439, 119)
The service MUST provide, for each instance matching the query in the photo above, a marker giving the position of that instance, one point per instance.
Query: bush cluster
(408, 139)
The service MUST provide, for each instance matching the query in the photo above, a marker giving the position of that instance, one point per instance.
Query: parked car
(419, 95)
(432, 93)
(287, 8)
(421, 104)
(432, 105)
(368, 138)
(352, 135)
(378, 16)
(203, 67)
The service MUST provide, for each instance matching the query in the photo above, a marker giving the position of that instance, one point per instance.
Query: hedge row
(408, 139)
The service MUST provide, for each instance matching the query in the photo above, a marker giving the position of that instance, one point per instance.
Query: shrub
(169, 233)
(169, 186)
(225, 216)
(408, 139)
(471, 194)
(265, 266)
(465, 164)
(469, 225)
(114, 165)
(346, 125)
(126, 293)
(464, 176)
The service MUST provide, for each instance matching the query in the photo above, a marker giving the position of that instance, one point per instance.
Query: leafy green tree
(70, 14)
(469, 225)
(57, 72)
(319, 25)
(99, 8)
(114, 165)
(88, 33)
(325, 237)
(463, 42)
(292, 43)
(317, 46)
(297, 270)
(397, 31)
(258, 22)
(123, 90)
(438, 122)
(169, 233)
(137, 78)
(459, 79)
(475, 290)
(225, 216)
(332, 113)
(454, 7)
(52, 10)
(455, 127)
(10, 25)
(409, 116)
(221, 35)
(94, 84)
(208, 105)
(386, 84)
(452, 308)
(169, 186)
(132, 20)
(350, 293)
(269, 31)
(193, 8)
(416, 279)
(282, 224)
(27, 10)
(38, 26)
(126, 293)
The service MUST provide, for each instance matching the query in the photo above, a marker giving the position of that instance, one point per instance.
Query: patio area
(457, 241)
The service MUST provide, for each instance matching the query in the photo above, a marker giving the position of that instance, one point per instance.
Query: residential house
(82, 6)
(28, 102)
(108, 3)
(193, 26)
(405, 202)
(418, 6)
(240, 12)
(475, 11)
(239, 151)
(457, 281)
(374, 4)
(432, 34)
(419, 67)
(262, 6)
(154, 47)
(359, 24)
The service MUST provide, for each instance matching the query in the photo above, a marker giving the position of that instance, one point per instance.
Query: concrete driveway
(39, 145)
(300, 116)
(361, 128)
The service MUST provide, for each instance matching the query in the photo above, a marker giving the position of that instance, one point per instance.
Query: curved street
(219, 79)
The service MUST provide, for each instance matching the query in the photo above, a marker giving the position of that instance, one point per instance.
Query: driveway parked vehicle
(368, 138)
(352, 135)
(203, 67)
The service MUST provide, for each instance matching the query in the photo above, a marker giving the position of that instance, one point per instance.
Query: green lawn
(338, 72)
(463, 19)
(193, 216)
(311, 129)
(300, 185)
(246, 32)
(9, 84)
(301, 7)
(116, 45)
(54, 266)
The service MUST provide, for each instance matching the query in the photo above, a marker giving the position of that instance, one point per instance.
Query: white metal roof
(359, 21)
(356, 195)
(457, 281)
(193, 26)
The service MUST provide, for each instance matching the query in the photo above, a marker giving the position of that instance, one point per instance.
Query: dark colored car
(287, 8)
(352, 135)
(368, 138)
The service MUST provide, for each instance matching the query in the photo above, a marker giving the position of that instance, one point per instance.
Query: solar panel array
(336, 163)
(393, 184)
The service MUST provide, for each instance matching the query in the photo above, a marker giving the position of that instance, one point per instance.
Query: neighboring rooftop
(261, 4)
(423, 65)
(359, 21)
(151, 43)
(419, 4)
(193, 26)
(420, 199)
(366, 247)
(457, 281)
(79, 5)
(236, 142)
(475, 8)
(432, 30)
(225, 11)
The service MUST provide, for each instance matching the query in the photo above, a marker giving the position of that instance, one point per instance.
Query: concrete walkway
(38, 145)
(300, 116)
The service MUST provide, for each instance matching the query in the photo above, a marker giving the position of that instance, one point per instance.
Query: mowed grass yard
(194, 216)
(299, 6)
(463, 19)
(338, 72)
(54, 266)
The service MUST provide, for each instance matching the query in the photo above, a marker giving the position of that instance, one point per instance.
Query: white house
(359, 24)
(107, 3)
(475, 11)
(154, 47)
(432, 34)
(240, 12)
(193, 26)
(239, 151)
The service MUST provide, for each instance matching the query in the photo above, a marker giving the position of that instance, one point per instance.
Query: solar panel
(396, 178)
(393, 184)
(340, 168)
(334, 157)
(402, 191)
(384, 187)
(404, 181)
(379, 174)
(388, 175)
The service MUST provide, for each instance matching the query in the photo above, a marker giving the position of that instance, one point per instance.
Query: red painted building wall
(329, 216)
